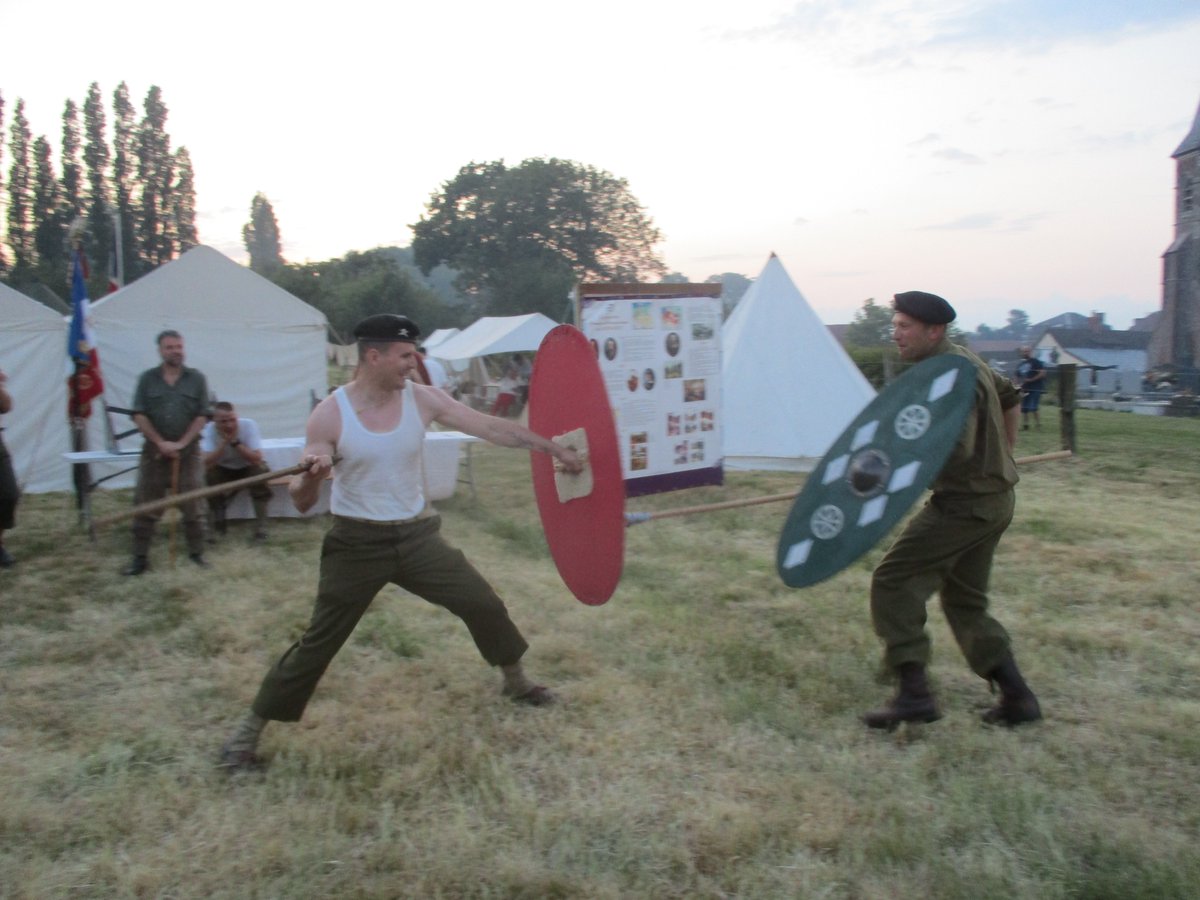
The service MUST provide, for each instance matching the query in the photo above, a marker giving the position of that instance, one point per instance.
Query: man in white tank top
(383, 529)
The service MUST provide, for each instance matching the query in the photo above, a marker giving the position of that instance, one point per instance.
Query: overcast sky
(1003, 153)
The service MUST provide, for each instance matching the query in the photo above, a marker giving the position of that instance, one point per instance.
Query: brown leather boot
(1017, 702)
(913, 701)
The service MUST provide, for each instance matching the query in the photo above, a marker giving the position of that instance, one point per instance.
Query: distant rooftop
(1086, 338)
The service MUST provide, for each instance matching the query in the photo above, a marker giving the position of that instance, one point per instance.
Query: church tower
(1176, 340)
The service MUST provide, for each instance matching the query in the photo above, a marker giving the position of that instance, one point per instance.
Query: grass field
(707, 743)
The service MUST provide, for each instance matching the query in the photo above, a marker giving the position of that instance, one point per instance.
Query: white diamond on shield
(835, 469)
(797, 554)
(942, 385)
(872, 510)
(865, 434)
(904, 477)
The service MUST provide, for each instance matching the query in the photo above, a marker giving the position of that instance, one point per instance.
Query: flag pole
(81, 474)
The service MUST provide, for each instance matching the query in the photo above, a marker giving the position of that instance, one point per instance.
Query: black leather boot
(913, 701)
(1017, 702)
(138, 565)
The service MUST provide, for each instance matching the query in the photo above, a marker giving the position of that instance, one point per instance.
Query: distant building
(1176, 340)
(1001, 355)
(1115, 361)
(1146, 323)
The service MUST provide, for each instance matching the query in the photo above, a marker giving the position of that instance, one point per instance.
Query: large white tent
(788, 387)
(495, 334)
(259, 347)
(33, 354)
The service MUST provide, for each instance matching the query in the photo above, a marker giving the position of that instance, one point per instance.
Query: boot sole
(892, 724)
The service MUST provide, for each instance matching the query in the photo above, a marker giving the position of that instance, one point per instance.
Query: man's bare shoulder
(433, 403)
(325, 421)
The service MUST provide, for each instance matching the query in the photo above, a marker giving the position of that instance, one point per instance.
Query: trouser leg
(441, 574)
(218, 502)
(948, 545)
(351, 576)
(260, 496)
(190, 478)
(10, 491)
(153, 481)
(984, 641)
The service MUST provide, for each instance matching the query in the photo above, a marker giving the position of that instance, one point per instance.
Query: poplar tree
(3, 255)
(49, 215)
(155, 176)
(72, 172)
(183, 203)
(124, 166)
(261, 237)
(20, 195)
(97, 201)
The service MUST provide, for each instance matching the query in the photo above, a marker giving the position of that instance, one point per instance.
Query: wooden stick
(1043, 457)
(637, 518)
(201, 493)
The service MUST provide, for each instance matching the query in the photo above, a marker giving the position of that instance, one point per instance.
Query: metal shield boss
(876, 469)
(586, 534)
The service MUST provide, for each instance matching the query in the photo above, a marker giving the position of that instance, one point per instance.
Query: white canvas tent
(439, 336)
(33, 354)
(495, 334)
(260, 347)
(788, 387)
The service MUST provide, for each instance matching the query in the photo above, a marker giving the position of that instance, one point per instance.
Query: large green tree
(872, 326)
(733, 288)
(522, 235)
(348, 290)
(262, 239)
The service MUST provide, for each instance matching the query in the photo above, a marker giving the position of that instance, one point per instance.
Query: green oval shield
(876, 469)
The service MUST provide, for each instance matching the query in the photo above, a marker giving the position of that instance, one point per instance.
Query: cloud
(971, 222)
(1038, 24)
(953, 154)
(896, 33)
(988, 221)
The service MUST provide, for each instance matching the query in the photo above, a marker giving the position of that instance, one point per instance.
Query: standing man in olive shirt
(170, 407)
(949, 545)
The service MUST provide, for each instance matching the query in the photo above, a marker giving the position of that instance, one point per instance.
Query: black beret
(928, 308)
(387, 327)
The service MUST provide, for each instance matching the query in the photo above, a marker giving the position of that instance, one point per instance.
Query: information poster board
(659, 349)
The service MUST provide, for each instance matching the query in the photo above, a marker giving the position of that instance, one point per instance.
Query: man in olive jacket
(949, 545)
(170, 407)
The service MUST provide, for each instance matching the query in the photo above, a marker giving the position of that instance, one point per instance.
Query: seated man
(232, 449)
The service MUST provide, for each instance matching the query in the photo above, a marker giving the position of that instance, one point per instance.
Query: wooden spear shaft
(200, 494)
(636, 518)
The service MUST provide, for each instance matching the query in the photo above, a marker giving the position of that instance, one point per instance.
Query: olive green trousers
(947, 547)
(357, 560)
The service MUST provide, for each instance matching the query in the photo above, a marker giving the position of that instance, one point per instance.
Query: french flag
(85, 384)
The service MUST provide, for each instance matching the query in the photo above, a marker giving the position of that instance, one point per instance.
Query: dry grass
(708, 742)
